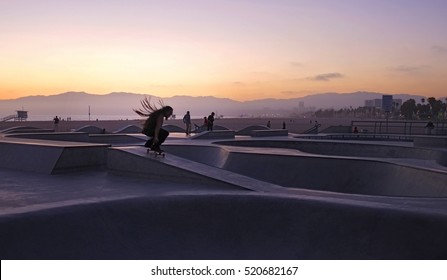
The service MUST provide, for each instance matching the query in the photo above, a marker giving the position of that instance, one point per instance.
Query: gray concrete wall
(222, 227)
(50, 156)
(327, 173)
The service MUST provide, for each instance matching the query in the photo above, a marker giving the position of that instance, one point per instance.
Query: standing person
(210, 122)
(56, 123)
(187, 122)
(284, 125)
(152, 126)
(429, 127)
(268, 124)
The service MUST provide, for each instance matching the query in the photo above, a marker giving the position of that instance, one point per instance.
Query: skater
(153, 125)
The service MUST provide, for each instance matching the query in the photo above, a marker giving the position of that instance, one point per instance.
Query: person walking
(153, 125)
(187, 122)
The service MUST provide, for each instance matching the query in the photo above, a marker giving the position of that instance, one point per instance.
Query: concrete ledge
(17, 129)
(173, 128)
(29, 130)
(215, 134)
(114, 139)
(54, 136)
(269, 132)
(430, 141)
(90, 129)
(129, 129)
(248, 130)
(50, 157)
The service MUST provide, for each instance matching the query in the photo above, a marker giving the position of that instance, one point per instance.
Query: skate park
(224, 194)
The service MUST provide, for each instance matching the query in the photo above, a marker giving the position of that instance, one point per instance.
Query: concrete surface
(241, 198)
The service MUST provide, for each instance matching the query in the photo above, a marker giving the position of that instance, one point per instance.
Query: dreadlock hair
(148, 107)
(151, 111)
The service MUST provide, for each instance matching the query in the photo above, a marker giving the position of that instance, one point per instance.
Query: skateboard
(155, 153)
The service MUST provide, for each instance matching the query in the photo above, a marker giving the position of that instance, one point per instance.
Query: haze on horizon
(239, 49)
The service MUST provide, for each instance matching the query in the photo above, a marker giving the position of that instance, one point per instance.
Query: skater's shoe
(148, 143)
(156, 149)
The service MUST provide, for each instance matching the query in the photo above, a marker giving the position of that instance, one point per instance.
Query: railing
(361, 136)
(7, 118)
(400, 127)
(313, 129)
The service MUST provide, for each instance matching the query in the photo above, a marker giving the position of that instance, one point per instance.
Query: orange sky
(242, 50)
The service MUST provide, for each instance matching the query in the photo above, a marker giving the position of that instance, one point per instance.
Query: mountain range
(123, 103)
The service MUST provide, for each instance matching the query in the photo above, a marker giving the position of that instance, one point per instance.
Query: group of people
(208, 122)
(153, 125)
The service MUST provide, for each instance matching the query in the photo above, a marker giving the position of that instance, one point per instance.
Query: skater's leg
(162, 135)
(148, 143)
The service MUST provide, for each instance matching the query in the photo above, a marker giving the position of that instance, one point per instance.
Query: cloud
(439, 49)
(326, 77)
(410, 69)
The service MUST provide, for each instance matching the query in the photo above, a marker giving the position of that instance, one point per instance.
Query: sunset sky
(240, 49)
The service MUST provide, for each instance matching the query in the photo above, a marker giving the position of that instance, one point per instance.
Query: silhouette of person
(210, 122)
(56, 123)
(284, 125)
(268, 124)
(153, 125)
(429, 127)
(356, 130)
(187, 122)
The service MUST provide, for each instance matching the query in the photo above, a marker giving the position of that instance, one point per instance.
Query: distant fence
(400, 127)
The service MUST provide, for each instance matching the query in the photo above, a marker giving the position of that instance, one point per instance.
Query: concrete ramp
(54, 136)
(247, 131)
(215, 134)
(115, 139)
(90, 129)
(294, 169)
(25, 129)
(173, 128)
(129, 129)
(172, 168)
(50, 157)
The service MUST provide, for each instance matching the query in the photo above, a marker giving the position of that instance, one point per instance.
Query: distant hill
(122, 103)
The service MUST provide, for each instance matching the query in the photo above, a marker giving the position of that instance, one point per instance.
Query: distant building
(369, 103)
(386, 103)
